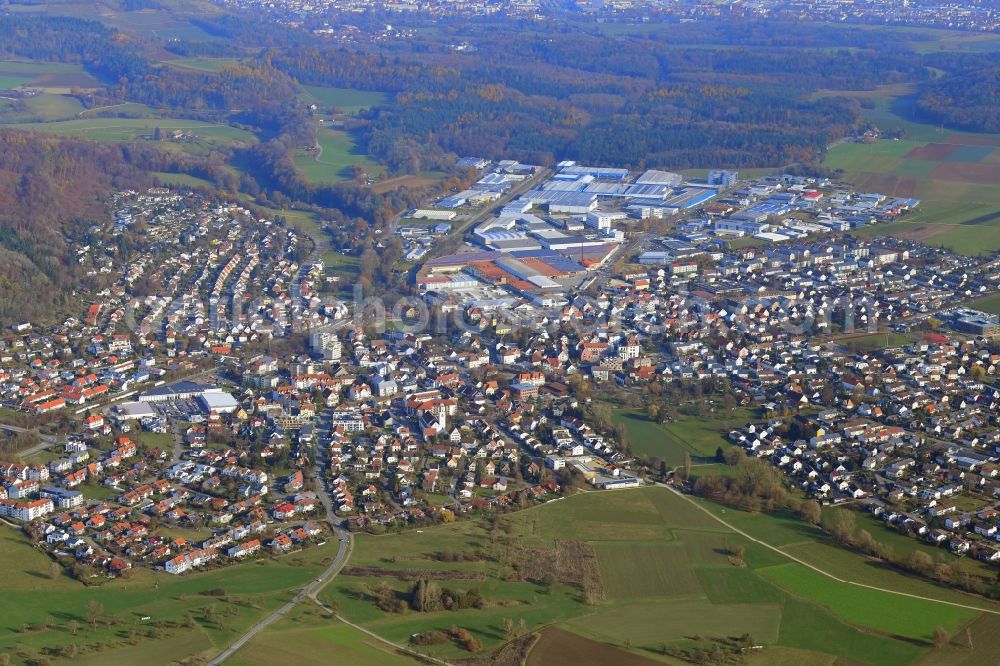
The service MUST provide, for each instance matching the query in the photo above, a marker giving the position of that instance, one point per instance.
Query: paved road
(13, 428)
(487, 211)
(314, 587)
(307, 592)
(817, 569)
(46, 442)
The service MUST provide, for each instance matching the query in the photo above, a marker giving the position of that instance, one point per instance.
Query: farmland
(557, 647)
(44, 107)
(636, 570)
(807, 543)
(161, 22)
(50, 84)
(202, 64)
(45, 76)
(201, 134)
(954, 174)
(667, 574)
(45, 613)
(309, 637)
(346, 100)
(899, 616)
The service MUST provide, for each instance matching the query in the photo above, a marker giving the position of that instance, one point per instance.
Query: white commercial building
(428, 214)
(218, 401)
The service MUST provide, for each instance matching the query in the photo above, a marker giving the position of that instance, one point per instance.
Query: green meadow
(202, 64)
(128, 129)
(666, 575)
(42, 612)
(670, 441)
(347, 100)
(338, 152)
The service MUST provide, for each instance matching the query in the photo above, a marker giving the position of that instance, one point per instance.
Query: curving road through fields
(306, 593)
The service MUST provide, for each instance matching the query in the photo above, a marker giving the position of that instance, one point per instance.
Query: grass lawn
(777, 529)
(990, 304)
(160, 440)
(93, 491)
(35, 67)
(745, 242)
(333, 164)
(670, 441)
(345, 266)
(336, 263)
(876, 341)
(305, 221)
(123, 110)
(904, 545)
(638, 515)
(410, 180)
(347, 100)
(813, 546)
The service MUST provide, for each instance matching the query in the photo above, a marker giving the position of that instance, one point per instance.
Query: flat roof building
(977, 322)
(178, 391)
(219, 402)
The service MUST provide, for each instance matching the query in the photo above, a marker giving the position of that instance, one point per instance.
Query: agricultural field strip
(146, 123)
(821, 571)
(372, 634)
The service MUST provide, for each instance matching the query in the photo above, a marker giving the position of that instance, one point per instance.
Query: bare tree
(95, 611)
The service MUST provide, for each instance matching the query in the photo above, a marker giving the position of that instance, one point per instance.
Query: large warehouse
(178, 391)
(212, 398)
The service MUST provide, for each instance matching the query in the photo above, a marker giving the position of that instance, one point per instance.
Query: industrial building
(601, 173)
(430, 214)
(178, 391)
(212, 398)
(967, 320)
(135, 410)
(723, 178)
(218, 401)
(654, 177)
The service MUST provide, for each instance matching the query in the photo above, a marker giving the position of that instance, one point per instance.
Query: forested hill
(969, 101)
(538, 93)
(52, 189)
